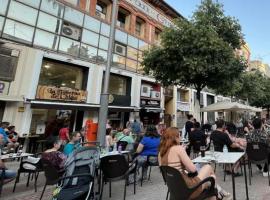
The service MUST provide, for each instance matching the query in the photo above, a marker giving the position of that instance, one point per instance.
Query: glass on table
(5, 150)
(202, 149)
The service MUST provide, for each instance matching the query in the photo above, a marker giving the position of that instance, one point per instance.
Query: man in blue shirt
(73, 144)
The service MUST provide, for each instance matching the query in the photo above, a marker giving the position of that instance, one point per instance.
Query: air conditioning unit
(101, 15)
(146, 91)
(71, 31)
(120, 49)
(155, 95)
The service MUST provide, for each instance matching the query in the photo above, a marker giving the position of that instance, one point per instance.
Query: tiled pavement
(152, 190)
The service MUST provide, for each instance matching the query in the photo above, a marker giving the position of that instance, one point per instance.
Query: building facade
(53, 56)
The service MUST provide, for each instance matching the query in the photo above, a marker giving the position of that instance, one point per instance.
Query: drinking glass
(202, 149)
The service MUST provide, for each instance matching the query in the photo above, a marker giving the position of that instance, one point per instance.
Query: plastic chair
(51, 174)
(257, 153)
(149, 163)
(178, 188)
(116, 167)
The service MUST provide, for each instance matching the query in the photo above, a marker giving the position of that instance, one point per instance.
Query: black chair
(152, 161)
(257, 153)
(116, 167)
(164, 179)
(178, 188)
(33, 172)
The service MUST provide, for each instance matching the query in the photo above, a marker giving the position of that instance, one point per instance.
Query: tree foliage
(199, 52)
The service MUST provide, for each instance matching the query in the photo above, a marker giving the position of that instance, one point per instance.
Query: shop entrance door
(2, 109)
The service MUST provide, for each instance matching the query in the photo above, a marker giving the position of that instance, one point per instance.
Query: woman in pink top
(64, 134)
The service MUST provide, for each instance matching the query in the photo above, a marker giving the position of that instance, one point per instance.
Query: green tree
(199, 52)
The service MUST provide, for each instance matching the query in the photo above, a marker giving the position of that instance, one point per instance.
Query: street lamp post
(104, 97)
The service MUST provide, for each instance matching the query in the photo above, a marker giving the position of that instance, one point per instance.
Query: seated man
(258, 135)
(74, 143)
(197, 135)
(7, 141)
(220, 138)
(9, 175)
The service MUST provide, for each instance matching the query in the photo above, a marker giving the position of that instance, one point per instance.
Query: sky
(253, 16)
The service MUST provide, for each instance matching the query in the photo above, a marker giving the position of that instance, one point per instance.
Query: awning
(123, 108)
(224, 106)
(151, 109)
(11, 98)
(63, 105)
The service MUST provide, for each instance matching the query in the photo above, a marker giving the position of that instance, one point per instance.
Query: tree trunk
(197, 107)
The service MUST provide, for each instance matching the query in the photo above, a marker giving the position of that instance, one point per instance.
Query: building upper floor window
(157, 35)
(101, 9)
(139, 27)
(123, 18)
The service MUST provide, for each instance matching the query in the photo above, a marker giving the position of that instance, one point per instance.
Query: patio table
(15, 155)
(113, 153)
(224, 158)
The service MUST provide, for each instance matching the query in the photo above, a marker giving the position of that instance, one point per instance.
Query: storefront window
(69, 46)
(34, 3)
(22, 13)
(88, 52)
(17, 31)
(105, 29)
(103, 42)
(120, 36)
(49, 23)
(61, 75)
(90, 37)
(118, 85)
(3, 6)
(91, 23)
(52, 7)
(73, 16)
(45, 39)
(119, 61)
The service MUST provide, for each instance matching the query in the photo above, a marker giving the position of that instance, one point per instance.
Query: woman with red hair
(171, 153)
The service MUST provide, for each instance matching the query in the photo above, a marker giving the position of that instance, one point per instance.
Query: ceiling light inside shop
(73, 82)
(63, 84)
(47, 66)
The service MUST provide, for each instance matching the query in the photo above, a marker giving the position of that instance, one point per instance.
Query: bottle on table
(119, 148)
(114, 147)
(20, 150)
(225, 149)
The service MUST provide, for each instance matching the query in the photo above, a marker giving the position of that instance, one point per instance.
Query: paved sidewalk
(151, 190)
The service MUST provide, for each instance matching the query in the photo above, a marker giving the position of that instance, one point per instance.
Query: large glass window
(1, 23)
(132, 53)
(118, 85)
(49, 22)
(45, 39)
(105, 29)
(90, 37)
(69, 46)
(132, 41)
(91, 23)
(3, 6)
(52, 7)
(123, 18)
(143, 45)
(17, 31)
(88, 52)
(131, 65)
(61, 75)
(102, 56)
(103, 42)
(121, 36)
(22, 13)
(73, 16)
(119, 61)
(139, 27)
(34, 3)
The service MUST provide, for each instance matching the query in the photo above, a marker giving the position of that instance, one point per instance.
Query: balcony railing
(183, 106)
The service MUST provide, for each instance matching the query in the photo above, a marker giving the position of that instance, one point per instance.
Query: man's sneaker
(265, 174)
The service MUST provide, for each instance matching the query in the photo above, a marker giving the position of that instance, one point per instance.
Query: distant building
(260, 66)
